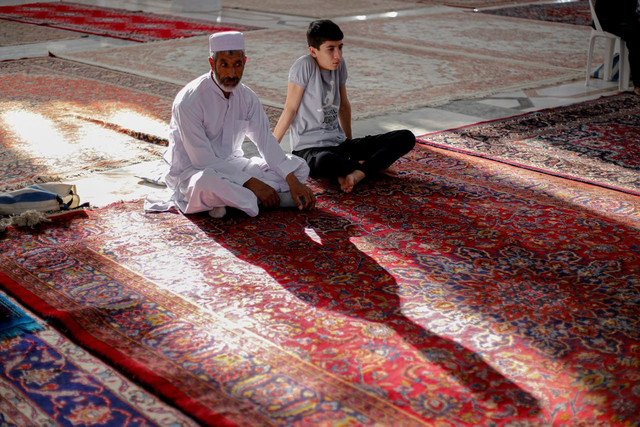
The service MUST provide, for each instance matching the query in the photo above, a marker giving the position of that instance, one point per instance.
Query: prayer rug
(575, 12)
(47, 380)
(462, 292)
(422, 74)
(118, 23)
(14, 321)
(60, 119)
(595, 142)
(15, 33)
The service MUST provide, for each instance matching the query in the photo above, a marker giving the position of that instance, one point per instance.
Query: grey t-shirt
(316, 123)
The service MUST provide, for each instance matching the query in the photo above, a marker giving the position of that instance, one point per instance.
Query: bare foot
(348, 182)
(390, 171)
(636, 90)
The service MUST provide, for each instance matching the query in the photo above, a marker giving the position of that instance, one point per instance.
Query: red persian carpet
(118, 23)
(595, 142)
(463, 292)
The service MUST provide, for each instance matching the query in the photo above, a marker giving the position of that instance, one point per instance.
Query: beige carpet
(334, 8)
(16, 33)
(407, 63)
(540, 42)
(325, 8)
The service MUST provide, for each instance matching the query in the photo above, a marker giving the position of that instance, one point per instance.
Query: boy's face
(329, 54)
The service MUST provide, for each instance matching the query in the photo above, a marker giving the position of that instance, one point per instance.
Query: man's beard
(227, 84)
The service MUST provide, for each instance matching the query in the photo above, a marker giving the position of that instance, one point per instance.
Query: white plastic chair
(610, 43)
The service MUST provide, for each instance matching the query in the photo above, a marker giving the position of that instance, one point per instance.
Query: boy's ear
(313, 51)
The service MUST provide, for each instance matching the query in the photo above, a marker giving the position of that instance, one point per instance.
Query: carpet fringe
(26, 219)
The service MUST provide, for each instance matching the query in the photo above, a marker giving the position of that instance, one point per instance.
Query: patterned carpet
(447, 71)
(462, 292)
(575, 12)
(323, 9)
(47, 380)
(335, 8)
(60, 119)
(119, 23)
(593, 142)
(531, 42)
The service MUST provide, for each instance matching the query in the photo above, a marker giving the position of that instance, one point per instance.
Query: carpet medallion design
(593, 142)
(461, 292)
(119, 23)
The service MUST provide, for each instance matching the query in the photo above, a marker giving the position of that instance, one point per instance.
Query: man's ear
(313, 51)
(245, 59)
(213, 64)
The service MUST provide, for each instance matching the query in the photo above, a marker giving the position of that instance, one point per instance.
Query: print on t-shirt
(329, 108)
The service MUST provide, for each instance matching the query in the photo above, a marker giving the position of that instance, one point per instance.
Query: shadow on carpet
(462, 290)
(594, 142)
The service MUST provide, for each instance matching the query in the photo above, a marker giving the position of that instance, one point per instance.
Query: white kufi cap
(226, 40)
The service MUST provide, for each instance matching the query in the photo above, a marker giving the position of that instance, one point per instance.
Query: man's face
(228, 69)
(329, 54)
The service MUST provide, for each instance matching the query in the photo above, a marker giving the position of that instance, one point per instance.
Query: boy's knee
(408, 139)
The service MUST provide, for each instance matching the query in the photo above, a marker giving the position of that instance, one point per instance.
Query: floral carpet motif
(574, 12)
(60, 119)
(445, 72)
(594, 141)
(462, 292)
(47, 380)
(119, 23)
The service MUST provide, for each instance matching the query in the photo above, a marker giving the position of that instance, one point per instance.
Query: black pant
(370, 154)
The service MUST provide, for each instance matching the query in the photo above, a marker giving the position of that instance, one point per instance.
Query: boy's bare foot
(390, 171)
(348, 182)
(636, 90)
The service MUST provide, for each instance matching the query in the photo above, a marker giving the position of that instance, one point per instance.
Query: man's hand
(265, 193)
(302, 195)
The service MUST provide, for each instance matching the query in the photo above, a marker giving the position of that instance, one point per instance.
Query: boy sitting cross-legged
(318, 112)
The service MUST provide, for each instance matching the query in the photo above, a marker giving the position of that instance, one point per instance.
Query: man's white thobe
(207, 164)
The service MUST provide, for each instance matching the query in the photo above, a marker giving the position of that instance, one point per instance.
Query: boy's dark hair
(321, 31)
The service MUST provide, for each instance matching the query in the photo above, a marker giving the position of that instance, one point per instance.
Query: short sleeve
(301, 70)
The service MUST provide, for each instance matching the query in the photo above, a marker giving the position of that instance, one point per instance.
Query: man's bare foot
(390, 171)
(636, 90)
(348, 182)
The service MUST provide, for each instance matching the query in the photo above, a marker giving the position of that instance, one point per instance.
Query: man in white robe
(211, 116)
